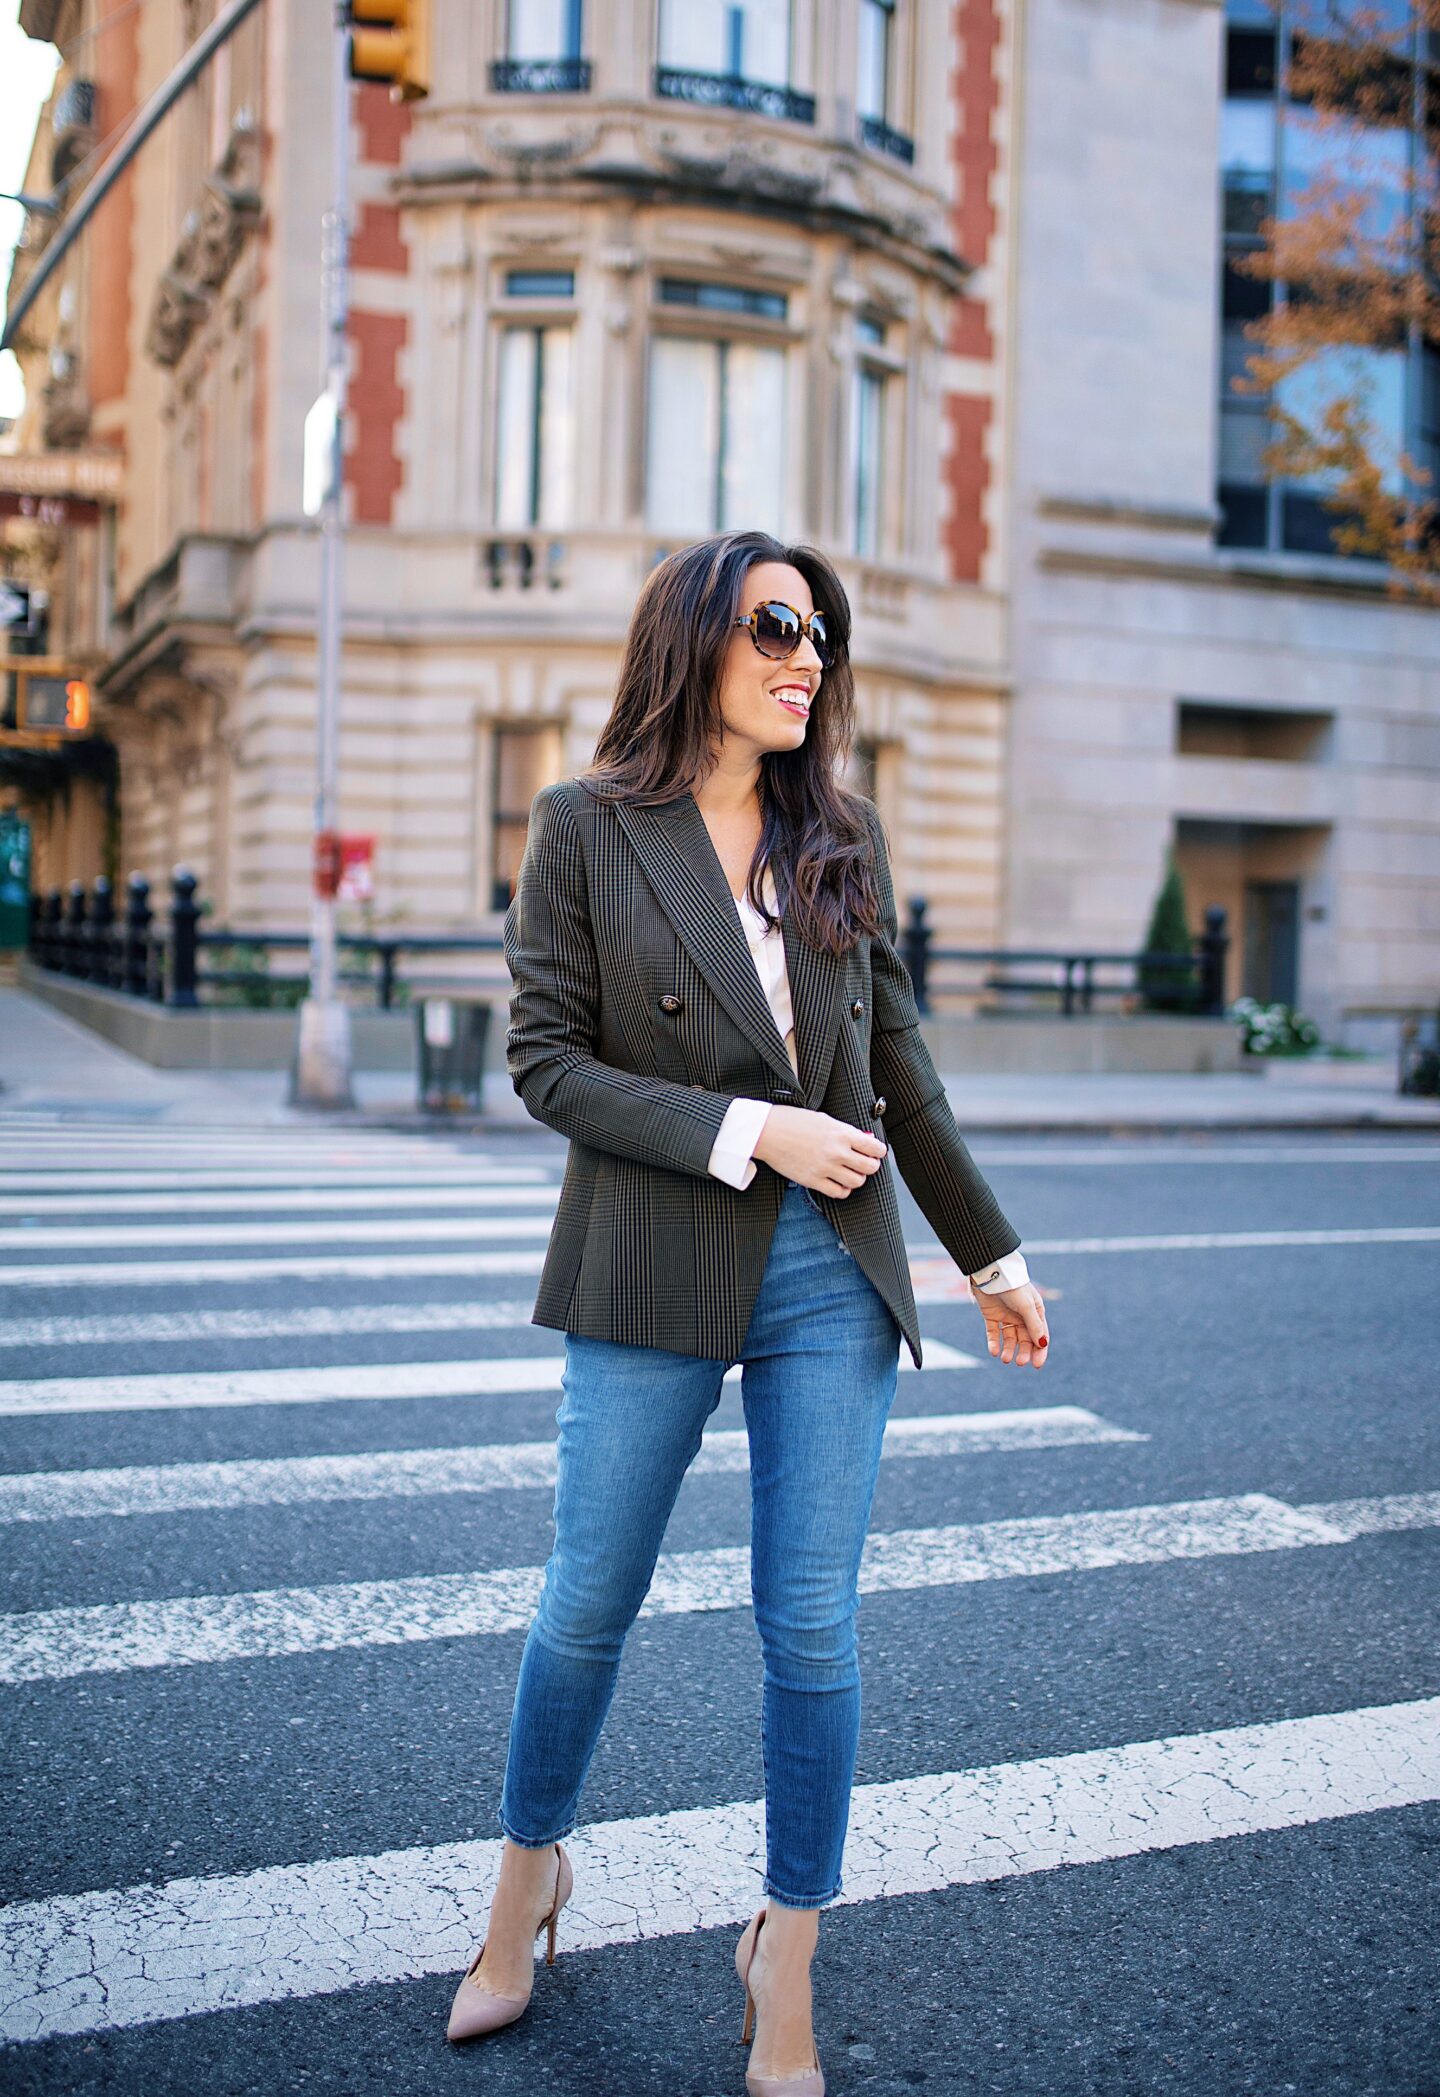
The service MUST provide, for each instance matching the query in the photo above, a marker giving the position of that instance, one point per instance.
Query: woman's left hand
(1015, 1325)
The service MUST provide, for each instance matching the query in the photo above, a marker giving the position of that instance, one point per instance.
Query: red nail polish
(1044, 1340)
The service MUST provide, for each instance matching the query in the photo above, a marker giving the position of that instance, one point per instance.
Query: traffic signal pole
(321, 1074)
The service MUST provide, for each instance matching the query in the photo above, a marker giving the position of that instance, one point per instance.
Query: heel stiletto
(810, 2082)
(476, 2009)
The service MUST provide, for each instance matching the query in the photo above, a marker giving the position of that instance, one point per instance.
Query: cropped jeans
(819, 1363)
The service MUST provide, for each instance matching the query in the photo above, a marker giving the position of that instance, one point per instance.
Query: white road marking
(1141, 1151)
(1211, 1241)
(49, 1645)
(379, 1230)
(44, 1496)
(27, 1396)
(190, 1272)
(131, 1955)
(359, 1194)
(480, 1175)
(302, 1321)
(193, 1273)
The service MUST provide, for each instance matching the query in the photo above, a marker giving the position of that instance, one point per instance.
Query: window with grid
(1272, 149)
(535, 406)
(717, 435)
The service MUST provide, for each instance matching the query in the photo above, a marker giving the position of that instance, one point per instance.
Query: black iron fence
(1066, 981)
(80, 933)
(185, 962)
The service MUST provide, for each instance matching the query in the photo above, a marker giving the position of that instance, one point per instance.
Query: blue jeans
(819, 1358)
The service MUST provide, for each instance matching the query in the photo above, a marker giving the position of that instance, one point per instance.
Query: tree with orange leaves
(1353, 254)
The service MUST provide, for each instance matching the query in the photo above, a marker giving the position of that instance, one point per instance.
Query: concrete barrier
(1020, 1044)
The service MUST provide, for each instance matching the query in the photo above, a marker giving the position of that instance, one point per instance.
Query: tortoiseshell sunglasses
(776, 628)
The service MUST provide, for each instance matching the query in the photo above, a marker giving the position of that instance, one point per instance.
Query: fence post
(1214, 943)
(74, 954)
(135, 957)
(915, 951)
(52, 934)
(387, 974)
(102, 933)
(184, 923)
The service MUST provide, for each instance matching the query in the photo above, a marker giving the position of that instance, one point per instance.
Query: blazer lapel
(684, 872)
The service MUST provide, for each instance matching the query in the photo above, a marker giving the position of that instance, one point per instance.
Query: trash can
(450, 1039)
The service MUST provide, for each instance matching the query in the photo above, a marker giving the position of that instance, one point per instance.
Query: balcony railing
(729, 91)
(881, 137)
(540, 76)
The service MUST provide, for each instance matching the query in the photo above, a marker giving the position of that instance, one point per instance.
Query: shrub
(1273, 1030)
(1166, 986)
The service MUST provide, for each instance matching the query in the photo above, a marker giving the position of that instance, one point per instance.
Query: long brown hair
(666, 726)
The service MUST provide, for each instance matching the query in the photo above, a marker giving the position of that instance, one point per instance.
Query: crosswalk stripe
(132, 1955)
(405, 1196)
(44, 1496)
(379, 1230)
(401, 1266)
(238, 1176)
(190, 1630)
(298, 1321)
(1211, 1241)
(25, 1396)
(335, 1266)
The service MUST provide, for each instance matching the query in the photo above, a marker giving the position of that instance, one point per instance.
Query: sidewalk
(49, 1066)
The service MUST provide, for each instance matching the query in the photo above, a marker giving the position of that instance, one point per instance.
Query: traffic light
(390, 42)
(57, 703)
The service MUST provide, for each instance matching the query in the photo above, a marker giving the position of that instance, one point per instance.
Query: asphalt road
(1149, 1786)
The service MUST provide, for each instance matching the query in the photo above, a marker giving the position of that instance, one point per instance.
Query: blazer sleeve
(555, 1012)
(919, 1125)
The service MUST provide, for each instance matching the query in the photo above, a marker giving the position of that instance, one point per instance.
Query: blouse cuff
(732, 1153)
(1008, 1273)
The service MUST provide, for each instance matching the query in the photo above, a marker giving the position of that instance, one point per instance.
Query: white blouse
(732, 1155)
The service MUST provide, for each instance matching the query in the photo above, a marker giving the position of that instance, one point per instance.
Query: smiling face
(765, 704)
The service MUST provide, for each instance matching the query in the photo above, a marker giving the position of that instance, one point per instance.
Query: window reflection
(1273, 150)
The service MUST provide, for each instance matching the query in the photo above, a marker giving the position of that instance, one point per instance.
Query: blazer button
(670, 1003)
(858, 1007)
(880, 1105)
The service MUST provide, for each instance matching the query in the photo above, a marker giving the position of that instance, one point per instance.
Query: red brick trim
(378, 242)
(374, 471)
(967, 538)
(976, 159)
(383, 126)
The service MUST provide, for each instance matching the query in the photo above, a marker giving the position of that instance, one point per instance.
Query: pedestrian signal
(390, 43)
(54, 703)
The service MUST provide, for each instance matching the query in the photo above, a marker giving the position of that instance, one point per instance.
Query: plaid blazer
(637, 1015)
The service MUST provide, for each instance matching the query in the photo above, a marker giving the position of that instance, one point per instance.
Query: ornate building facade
(945, 286)
(630, 274)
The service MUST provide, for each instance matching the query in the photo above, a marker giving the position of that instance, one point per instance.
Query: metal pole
(321, 1075)
(79, 214)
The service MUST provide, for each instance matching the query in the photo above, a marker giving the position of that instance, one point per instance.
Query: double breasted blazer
(637, 1015)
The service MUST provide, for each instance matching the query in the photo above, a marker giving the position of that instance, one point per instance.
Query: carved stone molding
(210, 244)
(176, 312)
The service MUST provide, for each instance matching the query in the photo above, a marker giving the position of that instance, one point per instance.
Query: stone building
(940, 284)
(631, 273)
(1193, 666)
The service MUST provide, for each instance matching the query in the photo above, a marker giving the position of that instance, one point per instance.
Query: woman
(709, 1003)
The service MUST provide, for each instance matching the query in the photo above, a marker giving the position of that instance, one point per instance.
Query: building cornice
(1243, 570)
(823, 186)
(1131, 516)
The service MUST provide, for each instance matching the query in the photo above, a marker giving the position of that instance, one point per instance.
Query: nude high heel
(476, 2009)
(810, 2082)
